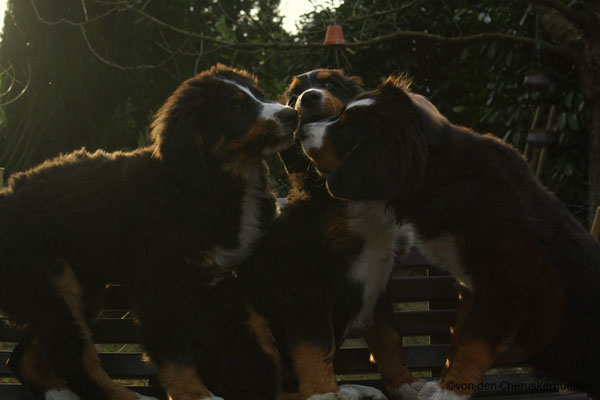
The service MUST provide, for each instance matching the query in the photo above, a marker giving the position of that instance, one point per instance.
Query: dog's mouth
(309, 115)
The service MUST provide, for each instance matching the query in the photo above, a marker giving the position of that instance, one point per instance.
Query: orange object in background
(334, 36)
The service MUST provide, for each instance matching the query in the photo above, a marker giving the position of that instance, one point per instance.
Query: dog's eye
(239, 106)
(330, 85)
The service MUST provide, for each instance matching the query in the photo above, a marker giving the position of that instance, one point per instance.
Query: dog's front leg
(385, 344)
(478, 338)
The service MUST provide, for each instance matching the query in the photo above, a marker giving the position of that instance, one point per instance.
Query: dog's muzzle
(288, 117)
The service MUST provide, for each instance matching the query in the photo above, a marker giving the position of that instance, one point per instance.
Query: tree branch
(563, 51)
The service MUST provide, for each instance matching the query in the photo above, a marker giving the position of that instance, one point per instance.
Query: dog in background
(325, 262)
(531, 272)
(167, 220)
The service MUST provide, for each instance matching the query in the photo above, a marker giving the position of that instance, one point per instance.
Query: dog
(530, 271)
(168, 220)
(322, 266)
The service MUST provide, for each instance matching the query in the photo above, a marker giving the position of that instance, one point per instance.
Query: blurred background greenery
(92, 72)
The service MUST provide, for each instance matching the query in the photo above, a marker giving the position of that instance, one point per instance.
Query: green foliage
(478, 85)
(75, 99)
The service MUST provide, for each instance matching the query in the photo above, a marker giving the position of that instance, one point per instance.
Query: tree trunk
(590, 83)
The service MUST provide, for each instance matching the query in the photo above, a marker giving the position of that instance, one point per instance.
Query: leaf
(491, 51)
(569, 99)
(508, 58)
(459, 109)
(561, 121)
(490, 98)
(464, 54)
(573, 122)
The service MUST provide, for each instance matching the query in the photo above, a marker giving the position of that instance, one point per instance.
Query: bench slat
(408, 323)
(356, 360)
(413, 323)
(118, 365)
(104, 331)
(424, 288)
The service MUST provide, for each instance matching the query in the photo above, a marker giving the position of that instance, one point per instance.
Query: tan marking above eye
(343, 118)
(239, 95)
(323, 74)
(295, 83)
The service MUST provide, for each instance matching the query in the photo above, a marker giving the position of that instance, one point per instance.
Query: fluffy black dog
(167, 220)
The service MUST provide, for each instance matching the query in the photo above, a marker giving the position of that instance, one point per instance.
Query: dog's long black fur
(166, 220)
(531, 271)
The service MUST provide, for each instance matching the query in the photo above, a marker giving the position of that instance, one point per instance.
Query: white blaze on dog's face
(274, 125)
(327, 141)
(220, 115)
(377, 148)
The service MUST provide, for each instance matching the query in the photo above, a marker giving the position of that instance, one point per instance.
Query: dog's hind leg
(64, 336)
(33, 368)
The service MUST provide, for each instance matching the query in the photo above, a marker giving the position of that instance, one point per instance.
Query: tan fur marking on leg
(261, 330)
(314, 369)
(37, 370)
(386, 346)
(182, 382)
(468, 366)
(465, 300)
(70, 288)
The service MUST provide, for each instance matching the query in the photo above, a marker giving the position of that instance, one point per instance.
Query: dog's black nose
(288, 116)
(310, 99)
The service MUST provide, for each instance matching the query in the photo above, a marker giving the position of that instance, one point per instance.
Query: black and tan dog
(167, 220)
(325, 262)
(531, 271)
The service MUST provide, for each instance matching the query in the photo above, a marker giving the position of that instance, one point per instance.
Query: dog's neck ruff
(252, 224)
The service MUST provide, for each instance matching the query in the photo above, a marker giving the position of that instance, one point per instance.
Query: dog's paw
(359, 392)
(408, 391)
(433, 391)
(62, 394)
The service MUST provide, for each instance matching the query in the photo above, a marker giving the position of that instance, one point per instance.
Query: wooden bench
(424, 300)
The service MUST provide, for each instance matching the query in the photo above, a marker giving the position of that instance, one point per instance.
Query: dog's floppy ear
(176, 133)
(387, 163)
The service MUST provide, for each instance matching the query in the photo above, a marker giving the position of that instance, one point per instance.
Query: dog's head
(220, 117)
(317, 95)
(377, 147)
(321, 93)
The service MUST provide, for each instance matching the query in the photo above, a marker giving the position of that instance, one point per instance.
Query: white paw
(408, 391)
(359, 392)
(62, 394)
(433, 391)
(142, 397)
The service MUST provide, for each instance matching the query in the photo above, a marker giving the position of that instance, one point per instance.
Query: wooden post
(596, 225)
(1, 177)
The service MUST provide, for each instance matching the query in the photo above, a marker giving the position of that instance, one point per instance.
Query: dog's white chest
(373, 267)
(251, 229)
(443, 252)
